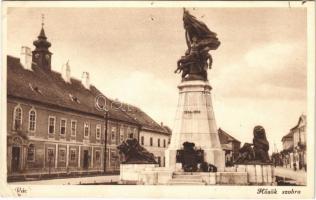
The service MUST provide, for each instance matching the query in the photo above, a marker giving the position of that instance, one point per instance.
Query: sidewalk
(73, 181)
(299, 176)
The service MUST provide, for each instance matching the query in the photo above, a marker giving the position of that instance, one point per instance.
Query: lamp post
(105, 139)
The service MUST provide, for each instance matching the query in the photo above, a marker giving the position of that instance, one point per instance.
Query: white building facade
(155, 142)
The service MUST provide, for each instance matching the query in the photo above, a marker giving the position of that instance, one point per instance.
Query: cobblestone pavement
(73, 181)
(299, 176)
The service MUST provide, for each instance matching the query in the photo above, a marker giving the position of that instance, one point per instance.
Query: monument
(194, 155)
(195, 121)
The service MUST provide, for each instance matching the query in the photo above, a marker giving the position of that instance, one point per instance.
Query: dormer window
(35, 89)
(73, 98)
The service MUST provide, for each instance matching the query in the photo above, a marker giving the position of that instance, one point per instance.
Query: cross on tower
(43, 17)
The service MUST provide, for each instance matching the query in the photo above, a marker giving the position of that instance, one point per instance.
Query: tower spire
(41, 54)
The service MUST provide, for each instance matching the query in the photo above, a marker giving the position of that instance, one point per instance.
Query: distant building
(287, 141)
(152, 136)
(294, 145)
(230, 145)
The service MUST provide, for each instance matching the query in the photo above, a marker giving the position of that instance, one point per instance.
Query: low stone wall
(258, 174)
(157, 176)
(130, 172)
(232, 178)
(147, 174)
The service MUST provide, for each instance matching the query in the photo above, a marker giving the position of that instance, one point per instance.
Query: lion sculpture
(133, 153)
(256, 152)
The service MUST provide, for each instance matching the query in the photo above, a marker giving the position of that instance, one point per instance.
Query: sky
(258, 74)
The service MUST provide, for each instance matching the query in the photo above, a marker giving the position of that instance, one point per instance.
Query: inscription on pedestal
(191, 112)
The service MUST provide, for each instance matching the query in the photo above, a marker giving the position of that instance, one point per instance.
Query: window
(113, 130)
(17, 115)
(72, 154)
(159, 161)
(129, 132)
(86, 130)
(62, 155)
(97, 156)
(164, 143)
(98, 132)
(121, 134)
(73, 127)
(50, 155)
(142, 140)
(113, 158)
(151, 141)
(158, 142)
(31, 153)
(51, 124)
(32, 120)
(63, 127)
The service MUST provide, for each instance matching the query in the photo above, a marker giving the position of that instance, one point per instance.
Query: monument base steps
(186, 179)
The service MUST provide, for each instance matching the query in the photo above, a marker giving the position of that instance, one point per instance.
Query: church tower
(41, 56)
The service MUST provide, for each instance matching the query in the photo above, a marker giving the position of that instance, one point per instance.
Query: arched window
(17, 115)
(32, 120)
(31, 153)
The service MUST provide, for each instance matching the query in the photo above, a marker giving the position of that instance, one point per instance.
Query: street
(298, 176)
(73, 181)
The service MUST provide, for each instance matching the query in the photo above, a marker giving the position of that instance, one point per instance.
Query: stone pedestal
(195, 122)
(258, 174)
(130, 172)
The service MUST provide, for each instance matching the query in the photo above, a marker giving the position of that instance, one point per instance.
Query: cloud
(273, 70)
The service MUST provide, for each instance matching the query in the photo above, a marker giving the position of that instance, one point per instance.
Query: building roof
(48, 87)
(225, 138)
(146, 122)
(300, 120)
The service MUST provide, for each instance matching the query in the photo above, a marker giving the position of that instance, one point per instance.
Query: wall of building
(57, 152)
(157, 150)
(287, 143)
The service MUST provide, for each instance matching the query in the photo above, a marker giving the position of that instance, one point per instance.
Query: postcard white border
(161, 191)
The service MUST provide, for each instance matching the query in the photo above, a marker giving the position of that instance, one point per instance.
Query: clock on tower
(41, 56)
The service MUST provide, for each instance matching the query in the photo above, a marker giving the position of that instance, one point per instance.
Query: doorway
(15, 159)
(85, 159)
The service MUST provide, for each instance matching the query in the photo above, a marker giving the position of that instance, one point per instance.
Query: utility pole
(106, 116)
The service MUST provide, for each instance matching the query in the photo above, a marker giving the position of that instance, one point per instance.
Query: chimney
(26, 57)
(85, 80)
(65, 72)
(161, 124)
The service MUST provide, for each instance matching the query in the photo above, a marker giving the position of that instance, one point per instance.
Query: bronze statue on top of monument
(200, 40)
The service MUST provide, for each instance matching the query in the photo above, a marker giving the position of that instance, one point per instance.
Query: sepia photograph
(216, 99)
